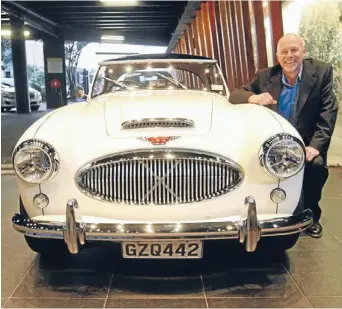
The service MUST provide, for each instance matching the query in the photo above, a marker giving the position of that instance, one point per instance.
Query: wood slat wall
(222, 30)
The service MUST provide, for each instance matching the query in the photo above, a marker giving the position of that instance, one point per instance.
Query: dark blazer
(317, 104)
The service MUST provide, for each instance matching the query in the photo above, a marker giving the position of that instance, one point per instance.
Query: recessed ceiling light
(120, 2)
(113, 37)
(6, 32)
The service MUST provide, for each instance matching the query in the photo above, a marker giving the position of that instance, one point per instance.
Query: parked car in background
(8, 99)
(158, 160)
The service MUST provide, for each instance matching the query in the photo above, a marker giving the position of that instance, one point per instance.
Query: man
(301, 91)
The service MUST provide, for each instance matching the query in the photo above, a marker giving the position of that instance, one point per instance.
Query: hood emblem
(158, 140)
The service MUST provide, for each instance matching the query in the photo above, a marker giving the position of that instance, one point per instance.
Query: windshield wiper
(115, 82)
(173, 81)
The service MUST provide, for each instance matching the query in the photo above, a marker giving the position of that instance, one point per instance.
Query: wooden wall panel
(200, 28)
(213, 30)
(260, 34)
(220, 40)
(226, 46)
(235, 45)
(222, 30)
(196, 37)
(277, 31)
(242, 46)
(248, 40)
(187, 46)
(207, 30)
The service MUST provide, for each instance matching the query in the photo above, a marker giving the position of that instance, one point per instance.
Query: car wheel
(34, 108)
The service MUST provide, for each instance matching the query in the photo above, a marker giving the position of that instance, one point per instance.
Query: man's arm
(250, 93)
(242, 94)
(326, 122)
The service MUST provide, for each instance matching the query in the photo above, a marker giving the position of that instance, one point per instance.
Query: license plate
(191, 249)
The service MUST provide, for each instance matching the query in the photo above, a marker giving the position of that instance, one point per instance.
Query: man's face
(290, 54)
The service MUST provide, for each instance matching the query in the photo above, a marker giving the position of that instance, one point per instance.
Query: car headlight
(9, 95)
(282, 155)
(35, 161)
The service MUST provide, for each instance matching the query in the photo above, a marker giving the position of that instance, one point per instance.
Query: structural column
(54, 65)
(19, 65)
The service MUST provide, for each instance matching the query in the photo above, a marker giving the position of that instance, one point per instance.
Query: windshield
(154, 75)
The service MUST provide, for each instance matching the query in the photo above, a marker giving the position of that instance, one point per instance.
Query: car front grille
(159, 178)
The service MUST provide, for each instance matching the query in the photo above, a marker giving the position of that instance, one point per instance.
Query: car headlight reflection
(282, 155)
(35, 161)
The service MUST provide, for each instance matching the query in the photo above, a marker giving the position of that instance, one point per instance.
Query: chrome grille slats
(118, 182)
(159, 178)
(176, 198)
(158, 123)
(159, 187)
(110, 179)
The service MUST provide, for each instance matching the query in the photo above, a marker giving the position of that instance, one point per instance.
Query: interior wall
(240, 35)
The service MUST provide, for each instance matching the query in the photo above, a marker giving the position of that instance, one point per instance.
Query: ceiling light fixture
(7, 32)
(120, 2)
(113, 37)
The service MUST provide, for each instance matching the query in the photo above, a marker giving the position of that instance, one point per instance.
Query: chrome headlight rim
(48, 150)
(269, 143)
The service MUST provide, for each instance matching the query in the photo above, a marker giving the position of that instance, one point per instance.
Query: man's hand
(262, 99)
(311, 153)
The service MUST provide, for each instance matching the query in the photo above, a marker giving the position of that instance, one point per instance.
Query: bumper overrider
(249, 231)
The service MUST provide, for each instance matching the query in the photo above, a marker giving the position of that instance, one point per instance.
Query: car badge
(158, 140)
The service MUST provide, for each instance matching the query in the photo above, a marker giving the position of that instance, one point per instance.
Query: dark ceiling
(146, 22)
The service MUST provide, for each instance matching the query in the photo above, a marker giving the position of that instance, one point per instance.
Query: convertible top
(162, 57)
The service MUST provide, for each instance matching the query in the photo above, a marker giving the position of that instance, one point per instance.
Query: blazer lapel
(306, 85)
(273, 88)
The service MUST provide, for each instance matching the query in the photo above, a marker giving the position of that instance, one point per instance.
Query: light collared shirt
(288, 99)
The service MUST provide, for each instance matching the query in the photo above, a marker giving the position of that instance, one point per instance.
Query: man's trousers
(315, 175)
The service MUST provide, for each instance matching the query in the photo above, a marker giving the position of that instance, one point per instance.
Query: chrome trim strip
(157, 123)
(203, 230)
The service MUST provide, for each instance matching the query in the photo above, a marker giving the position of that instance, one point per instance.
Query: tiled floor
(309, 275)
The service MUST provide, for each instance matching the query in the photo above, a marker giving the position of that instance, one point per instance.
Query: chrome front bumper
(75, 233)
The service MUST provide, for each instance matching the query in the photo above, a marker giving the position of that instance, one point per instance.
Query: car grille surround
(160, 177)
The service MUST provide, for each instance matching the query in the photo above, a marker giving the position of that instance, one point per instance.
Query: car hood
(82, 132)
(12, 90)
(156, 106)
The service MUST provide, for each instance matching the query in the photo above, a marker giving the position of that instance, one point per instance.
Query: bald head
(290, 54)
(290, 38)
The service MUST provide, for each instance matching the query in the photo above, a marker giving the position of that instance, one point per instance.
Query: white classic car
(8, 99)
(159, 160)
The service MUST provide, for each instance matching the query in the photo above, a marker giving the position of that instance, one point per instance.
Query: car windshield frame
(182, 74)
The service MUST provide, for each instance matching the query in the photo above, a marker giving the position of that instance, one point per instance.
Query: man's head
(290, 53)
